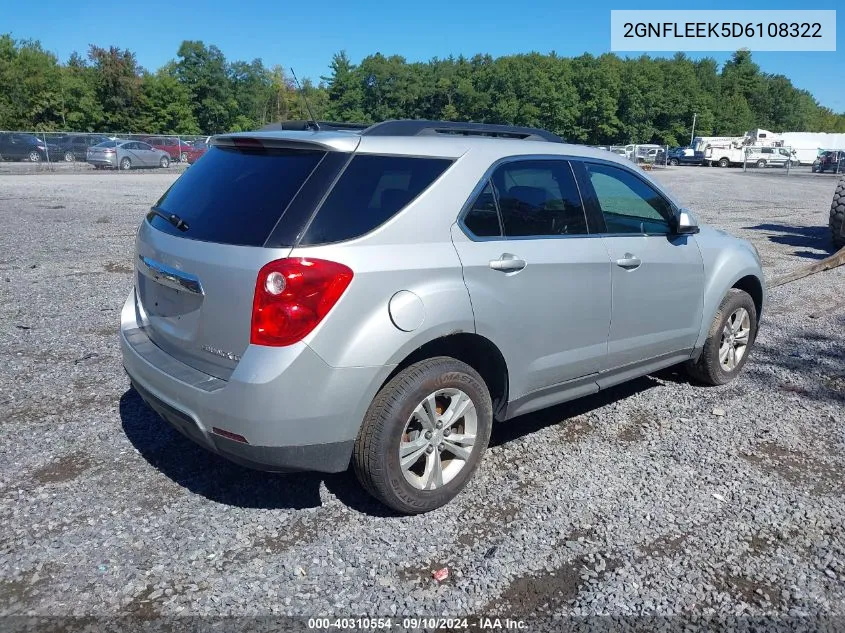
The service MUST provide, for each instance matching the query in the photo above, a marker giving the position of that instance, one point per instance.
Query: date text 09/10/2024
(416, 623)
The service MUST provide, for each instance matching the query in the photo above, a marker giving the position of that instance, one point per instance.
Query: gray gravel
(658, 497)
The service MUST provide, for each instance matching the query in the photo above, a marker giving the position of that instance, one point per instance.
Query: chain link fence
(647, 156)
(24, 151)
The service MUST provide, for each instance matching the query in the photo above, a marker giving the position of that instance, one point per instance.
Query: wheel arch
(475, 350)
(729, 267)
(754, 287)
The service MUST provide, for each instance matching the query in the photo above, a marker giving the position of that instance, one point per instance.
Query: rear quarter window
(236, 195)
(371, 190)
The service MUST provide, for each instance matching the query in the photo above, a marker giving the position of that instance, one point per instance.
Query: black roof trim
(432, 128)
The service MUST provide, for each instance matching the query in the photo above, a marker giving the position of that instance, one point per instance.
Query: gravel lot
(655, 498)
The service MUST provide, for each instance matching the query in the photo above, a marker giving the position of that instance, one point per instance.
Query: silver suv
(304, 299)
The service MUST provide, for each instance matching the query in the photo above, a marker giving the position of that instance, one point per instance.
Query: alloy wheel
(735, 339)
(438, 439)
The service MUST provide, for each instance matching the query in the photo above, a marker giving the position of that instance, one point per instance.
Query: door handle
(507, 263)
(629, 262)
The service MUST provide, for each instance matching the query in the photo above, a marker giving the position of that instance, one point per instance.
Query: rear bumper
(295, 411)
(329, 457)
(107, 162)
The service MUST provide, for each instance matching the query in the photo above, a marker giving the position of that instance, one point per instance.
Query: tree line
(586, 99)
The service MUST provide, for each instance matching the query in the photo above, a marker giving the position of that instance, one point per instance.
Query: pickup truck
(685, 156)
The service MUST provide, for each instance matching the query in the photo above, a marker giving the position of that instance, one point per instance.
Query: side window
(767, 150)
(140, 145)
(483, 218)
(628, 204)
(371, 190)
(539, 198)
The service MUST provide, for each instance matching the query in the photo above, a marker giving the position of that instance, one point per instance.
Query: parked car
(120, 154)
(176, 149)
(685, 156)
(73, 147)
(307, 299)
(198, 149)
(770, 157)
(830, 160)
(25, 146)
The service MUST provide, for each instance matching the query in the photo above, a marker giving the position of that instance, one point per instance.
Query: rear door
(133, 151)
(148, 154)
(538, 282)
(657, 276)
(196, 287)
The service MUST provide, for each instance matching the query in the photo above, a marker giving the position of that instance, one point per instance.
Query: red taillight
(108, 151)
(292, 296)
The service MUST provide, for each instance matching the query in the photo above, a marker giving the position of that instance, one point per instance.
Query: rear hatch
(244, 205)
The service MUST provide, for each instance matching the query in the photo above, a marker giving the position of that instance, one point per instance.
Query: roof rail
(313, 126)
(407, 127)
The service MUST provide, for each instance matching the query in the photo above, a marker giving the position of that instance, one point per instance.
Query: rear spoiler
(327, 142)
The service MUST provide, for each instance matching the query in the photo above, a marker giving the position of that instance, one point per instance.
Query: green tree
(81, 109)
(30, 93)
(117, 86)
(202, 70)
(165, 105)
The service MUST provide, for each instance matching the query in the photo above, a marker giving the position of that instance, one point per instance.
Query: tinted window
(539, 198)
(371, 190)
(140, 145)
(628, 204)
(483, 218)
(236, 196)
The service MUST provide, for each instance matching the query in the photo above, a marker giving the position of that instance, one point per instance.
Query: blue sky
(306, 35)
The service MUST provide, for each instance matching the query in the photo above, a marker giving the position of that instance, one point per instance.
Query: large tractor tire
(837, 215)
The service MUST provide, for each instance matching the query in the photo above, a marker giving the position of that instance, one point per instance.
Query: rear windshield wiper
(174, 219)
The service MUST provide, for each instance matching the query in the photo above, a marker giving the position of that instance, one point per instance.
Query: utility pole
(692, 135)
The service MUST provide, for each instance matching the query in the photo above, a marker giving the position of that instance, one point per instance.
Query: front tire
(70, 157)
(761, 163)
(34, 156)
(837, 215)
(424, 435)
(729, 342)
(673, 162)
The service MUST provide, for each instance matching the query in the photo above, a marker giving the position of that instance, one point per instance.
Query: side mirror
(685, 223)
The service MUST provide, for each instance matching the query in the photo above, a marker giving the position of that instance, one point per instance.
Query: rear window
(371, 190)
(236, 195)
(107, 144)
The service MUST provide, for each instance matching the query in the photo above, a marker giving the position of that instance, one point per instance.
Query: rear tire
(837, 215)
(724, 162)
(399, 419)
(69, 157)
(34, 156)
(125, 164)
(761, 163)
(735, 322)
(673, 162)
